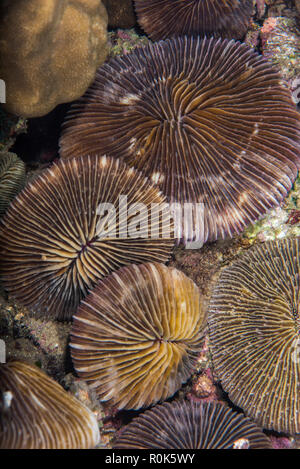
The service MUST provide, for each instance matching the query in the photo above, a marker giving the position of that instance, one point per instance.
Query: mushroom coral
(59, 236)
(136, 337)
(162, 19)
(12, 178)
(49, 51)
(254, 331)
(209, 121)
(37, 413)
(191, 425)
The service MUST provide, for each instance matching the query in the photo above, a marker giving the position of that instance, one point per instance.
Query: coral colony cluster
(183, 132)
(52, 250)
(203, 119)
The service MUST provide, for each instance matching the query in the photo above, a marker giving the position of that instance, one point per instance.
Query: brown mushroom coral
(191, 425)
(50, 51)
(209, 121)
(137, 335)
(57, 240)
(254, 326)
(37, 413)
(12, 178)
(162, 19)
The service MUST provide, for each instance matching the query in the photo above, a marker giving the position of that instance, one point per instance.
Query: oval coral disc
(136, 337)
(254, 326)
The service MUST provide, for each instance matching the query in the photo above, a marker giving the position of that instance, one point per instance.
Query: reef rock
(49, 51)
(120, 13)
(280, 42)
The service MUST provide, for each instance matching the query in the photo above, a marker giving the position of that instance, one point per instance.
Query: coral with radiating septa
(254, 326)
(37, 413)
(137, 335)
(190, 425)
(209, 121)
(163, 19)
(56, 245)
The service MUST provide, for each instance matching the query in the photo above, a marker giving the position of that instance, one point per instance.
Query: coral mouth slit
(54, 248)
(88, 244)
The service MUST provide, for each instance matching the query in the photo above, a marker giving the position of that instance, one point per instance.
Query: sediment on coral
(124, 41)
(10, 127)
(280, 44)
(120, 13)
